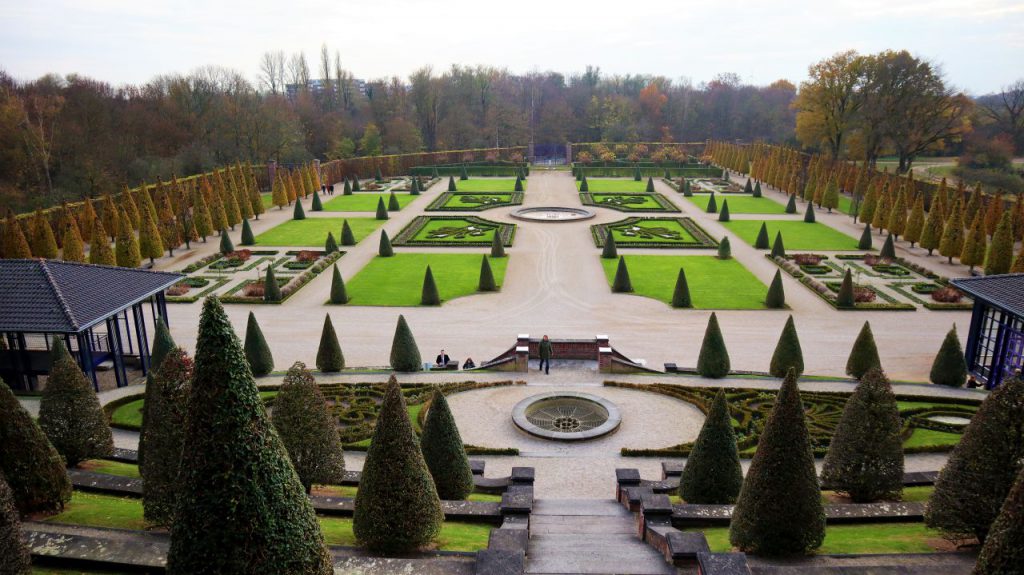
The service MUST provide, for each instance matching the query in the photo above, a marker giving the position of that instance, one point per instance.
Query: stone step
(581, 525)
(582, 507)
(594, 554)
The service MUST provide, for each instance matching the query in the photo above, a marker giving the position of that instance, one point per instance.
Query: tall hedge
(347, 237)
(486, 282)
(865, 457)
(429, 294)
(610, 250)
(864, 355)
(385, 250)
(444, 453)
(622, 283)
(397, 508)
(307, 429)
(949, 366)
(681, 293)
(713, 360)
(761, 242)
(32, 466)
(70, 414)
(788, 354)
(166, 407)
(497, 246)
(712, 474)
(1003, 552)
(14, 554)
(328, 356)
(241, 506)
(981, 468)
(405, 354)
(779, 510)
(776, 297)
(339, 294)
(257, 352)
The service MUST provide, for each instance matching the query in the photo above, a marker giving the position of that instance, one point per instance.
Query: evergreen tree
(830, 199)
(271, 290)
(486, 282)
(226, 245)
(973, 252)
(723, 215)
(687, 190)
(279, 192)
(712, 206)
(347, 237)
(864, 355)
(724, 249)
(788, 354)
(382, 211)
(888, 250)
(757, 192)
(317, 205)
(1000, 252)
(622, 283)
(778, 249)
(865, 457)
(609, 251)
(519, 183)
(201, 215)
(497, 246)
(235, 472)
(791, 205)
(347, 190)
(650, 185)
(1018, 263)
(782, 471)
(14, 554)
(257, 352)
(761, 242)
(982, 468)
(405, 354)
(397, 508)
(915, 225)
(776, 298)
(444, 453)
(451, 184)
(809, 213)
(99, 248)
(339, 295)
(949, 367)
(429, 294)
(748, 188)
(355, 183)
(385, 250)
(165, 409)
(681, 293)
(1003, 552)
(127, 248)
(330, 245)
(464, 173)
(72, 249)
(865, 238)
(393, 205)
(584, 186)
(298, 213)
(329, 357)
(845, 296)
(70, 414)
(952, 241)
(636, 174)
(33, 468)
(712, 475)
(44, 244)
(713, 361)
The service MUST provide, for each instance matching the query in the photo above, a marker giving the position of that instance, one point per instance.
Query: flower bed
(628, 202)
(289, 288)
(193, 293)
(654, 233)
(474, 201)
(453, 231)
(827, 291)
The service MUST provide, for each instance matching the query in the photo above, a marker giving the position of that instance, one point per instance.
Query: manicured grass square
(312, 231)
(797, 235)
(714, 283)
(486, 185)
(654, 232)
(363, 201)
(848, 539)
(615, 185)
(474, 201)
(628, 202)
(740, 204)
(453, 231)
(398, 280)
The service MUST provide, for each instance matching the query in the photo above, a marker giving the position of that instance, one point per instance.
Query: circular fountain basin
(566, 416)
(552, 214)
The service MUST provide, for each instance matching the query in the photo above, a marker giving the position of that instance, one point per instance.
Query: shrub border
(438, 205)
(303, 278)
(587, 198)
(703, 240)
(215, 284)
(405, 237)
(822, 291)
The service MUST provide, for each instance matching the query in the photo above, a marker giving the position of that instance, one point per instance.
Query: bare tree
(298, 71)
(1007, 110)
(272, 71)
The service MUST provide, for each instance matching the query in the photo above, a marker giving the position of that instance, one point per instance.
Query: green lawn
(398, 280)
(475, 201)
(661, 231)
(454, 536)
(363, 201)
(312, 231)
(129, 415)
(921, 437)
(847, 539)
(713, 283)
(797, 235)
(629, 201)
(740, 204)
(111, 468)
(482, 184)
(615, 185)
(903, 405)
(455, 230)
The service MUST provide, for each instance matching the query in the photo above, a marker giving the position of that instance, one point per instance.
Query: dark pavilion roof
(1005, 291)
(53, 296)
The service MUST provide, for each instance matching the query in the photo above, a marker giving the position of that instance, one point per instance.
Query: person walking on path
(545, 354)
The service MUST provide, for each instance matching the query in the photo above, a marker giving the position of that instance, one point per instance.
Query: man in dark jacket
(545, 354)
(442, 359)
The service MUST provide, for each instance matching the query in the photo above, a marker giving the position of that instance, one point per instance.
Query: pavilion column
(114, 335)
(161, 303)
(85, 351)
(140, 336)
(127, 330)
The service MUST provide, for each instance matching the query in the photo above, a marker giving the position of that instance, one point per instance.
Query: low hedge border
(215, 284)
(587, 198)
(828, 295)
(405, 237)
(200, 263)
(654, 172)
(900, 288)
(297, 282)
(703, 239)
(438, 205)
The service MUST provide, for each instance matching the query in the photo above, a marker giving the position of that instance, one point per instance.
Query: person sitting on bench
(469, 364)
(442, 360)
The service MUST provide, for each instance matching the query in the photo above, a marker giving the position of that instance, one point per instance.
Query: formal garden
(454, 231)
(628, 202)
(712, 282)
(653, 232)
(398, 280)
(474, 201)
(312, 232)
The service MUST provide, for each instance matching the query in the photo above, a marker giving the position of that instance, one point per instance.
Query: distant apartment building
(317, 86)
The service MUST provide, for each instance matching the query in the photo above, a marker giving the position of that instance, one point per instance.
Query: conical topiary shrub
(463, 173)
(166, 406)
(397, 508)
(712, 475)
(681, 293)
(308, 429)
(723, 214)
(235, 472)
(15, 558)
(788, 354)
(429, 295)
(163, 344)
(757, 190)
(486, 282)
(347, 189)
(713, 360)
(497, 246)
(782, 471)
(650, 185)
(248, 239)
(748, 188)
(339, 294)
(776, 298)
(519, 183)
(687, 190)
(809, 213)
(33, 468)
(405, 354)
(622, 283)
(610, 250)
(888, 249)
(584, 186)
(261, 362)
(865, 457)
(297, 212)
(393, 204)
(328, 356)
(864, 355)
(444, 453)
(451, 184)
(712, 206)
(636, 174)
(226, 246)
(761, 242)
(385, 250)
(949, 367)
(1003, 552)
(355, 183)
(844, 297)
(330, 245)
(347, 237)
(271, 291)
(865, 238)
(70, 414)
(317, 206)
(791, 205)
(724, 249)
(981, 468)
(382, 210)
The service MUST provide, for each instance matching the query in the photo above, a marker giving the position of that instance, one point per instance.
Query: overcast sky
(979, 43)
